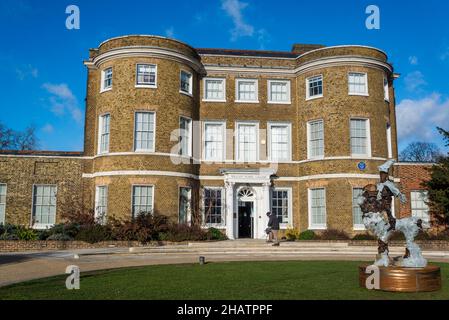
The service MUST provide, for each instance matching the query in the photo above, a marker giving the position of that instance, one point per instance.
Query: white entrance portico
(247, 192)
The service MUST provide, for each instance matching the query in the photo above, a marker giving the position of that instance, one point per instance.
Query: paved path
(19, 267)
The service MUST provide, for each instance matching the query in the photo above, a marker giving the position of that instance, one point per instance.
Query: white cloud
(234, 8)
(413, 60)
(27, 71)
(48, 128)
(62, 100)
(414, 81)
(418, 119)
(445, 55)
(170, 32)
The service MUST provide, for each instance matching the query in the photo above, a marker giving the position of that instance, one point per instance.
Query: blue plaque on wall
(362, 165)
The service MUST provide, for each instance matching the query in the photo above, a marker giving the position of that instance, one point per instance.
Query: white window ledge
(105, 90)
(186, 93)
(359, 94)
(279, 102)
(324, 227)
(146, 86)
(211, 100)
(247, 101)
(41, 226)
(315, 97)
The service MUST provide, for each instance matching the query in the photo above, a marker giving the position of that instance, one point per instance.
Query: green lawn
(233, 280)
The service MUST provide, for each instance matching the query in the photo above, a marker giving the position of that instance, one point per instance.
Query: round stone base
(399, 279)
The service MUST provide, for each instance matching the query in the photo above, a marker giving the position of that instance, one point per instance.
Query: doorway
(245, 219)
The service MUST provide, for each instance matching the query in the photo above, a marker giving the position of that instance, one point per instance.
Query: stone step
(262, 243)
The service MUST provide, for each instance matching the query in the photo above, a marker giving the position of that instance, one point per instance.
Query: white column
(230, 210)
(264, 209)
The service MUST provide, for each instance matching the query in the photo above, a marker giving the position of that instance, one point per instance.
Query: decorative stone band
(147, 51)
(309, 66)
(196, 177)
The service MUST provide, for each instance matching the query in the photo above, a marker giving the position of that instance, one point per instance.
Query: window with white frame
(315, 134)
(214, 89)
(101, 203)
(279, 141)
(389, 142)
(420, 209)
(103, 140)
(144, 131)
(186, 82)
(278, 91)
(247, 90)
(106, 79)
(146, 75)
(358, 83)
(360, 137)
(281, 205)
(185, 136)
(314, 87)
(185, 205)
(44, 206)
(356, 210)
(213, 206)
(2, 203)
(142, 200)
(386, 90)
(214, 141)
(247, 139)
(317, 208)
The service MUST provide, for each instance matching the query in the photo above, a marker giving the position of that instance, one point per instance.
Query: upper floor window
(278, 91)
(186, 82)
(106, 79)
(143, 197)
(314, 87)
(185, 136)
(315, 137)
(214, 141)
(360, 137)
(419, 206)
(44, 206)
(386, 90)
(358, 83)
(2, 203)
(144, 131)
(101, 203)
(247, 90)
(146, 75)
(103, 139)
(214, 89)
(247, 142)
(279, 145)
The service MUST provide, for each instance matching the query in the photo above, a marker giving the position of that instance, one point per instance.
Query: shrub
(215, 234)
(93, 233)
(307, 235)
(184, 232)
(26, 234)
(292, 234)
(59, 237)
(333, 234)
(364, 236)
(144, 228)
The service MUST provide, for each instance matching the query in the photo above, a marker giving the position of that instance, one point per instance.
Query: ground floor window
(317, 208)
(2, 203)
(185, 205)
(213, 206)
(280, 205)
(356, 210)
(419, 206)
(142, 200)
(101, 203)
(44, 206)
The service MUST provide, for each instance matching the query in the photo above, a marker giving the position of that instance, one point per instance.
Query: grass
(290, 280)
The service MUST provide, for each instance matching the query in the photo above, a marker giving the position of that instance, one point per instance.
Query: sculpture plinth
(399, 279)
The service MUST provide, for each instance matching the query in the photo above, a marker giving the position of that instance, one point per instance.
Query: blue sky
(43, 80)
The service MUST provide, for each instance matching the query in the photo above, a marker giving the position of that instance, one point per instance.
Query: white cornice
(146, 51)
(308, 66)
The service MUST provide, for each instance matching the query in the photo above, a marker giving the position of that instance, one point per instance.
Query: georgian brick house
(220, 137)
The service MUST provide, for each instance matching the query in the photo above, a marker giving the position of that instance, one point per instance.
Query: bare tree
(420, 152)
(18, 140)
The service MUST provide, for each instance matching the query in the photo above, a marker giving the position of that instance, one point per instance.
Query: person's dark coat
(273, 222)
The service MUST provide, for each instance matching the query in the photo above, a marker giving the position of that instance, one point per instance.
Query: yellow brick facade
(78, 175)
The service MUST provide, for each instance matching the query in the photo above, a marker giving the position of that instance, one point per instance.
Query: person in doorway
(273, 226)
